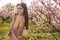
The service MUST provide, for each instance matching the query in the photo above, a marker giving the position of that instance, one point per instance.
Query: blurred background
(44, 19)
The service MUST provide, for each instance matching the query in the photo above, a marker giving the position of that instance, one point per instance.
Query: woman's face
(20, 9)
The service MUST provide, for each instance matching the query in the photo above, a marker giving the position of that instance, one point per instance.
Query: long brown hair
(25, 13)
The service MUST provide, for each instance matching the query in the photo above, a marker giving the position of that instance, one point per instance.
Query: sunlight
(28, 2)
(4, 2)
(14, 2)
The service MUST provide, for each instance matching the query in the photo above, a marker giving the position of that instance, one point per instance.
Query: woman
(19, 21)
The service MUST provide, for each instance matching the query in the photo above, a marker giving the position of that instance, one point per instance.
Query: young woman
(19, 21)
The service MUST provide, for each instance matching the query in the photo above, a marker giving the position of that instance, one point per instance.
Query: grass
(34, 32)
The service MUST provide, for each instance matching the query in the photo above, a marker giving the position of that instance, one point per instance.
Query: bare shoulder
(21, 18)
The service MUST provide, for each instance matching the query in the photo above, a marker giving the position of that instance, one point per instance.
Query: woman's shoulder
(20, 17)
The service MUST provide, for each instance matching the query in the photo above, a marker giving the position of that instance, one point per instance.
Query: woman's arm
(17, 21)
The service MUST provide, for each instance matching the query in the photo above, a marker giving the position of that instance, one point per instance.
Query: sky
(14, 2)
